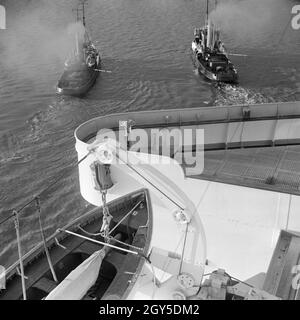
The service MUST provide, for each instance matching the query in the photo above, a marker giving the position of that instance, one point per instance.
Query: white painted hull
(241, 225)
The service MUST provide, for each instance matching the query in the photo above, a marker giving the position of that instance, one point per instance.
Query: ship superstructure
(166, 229)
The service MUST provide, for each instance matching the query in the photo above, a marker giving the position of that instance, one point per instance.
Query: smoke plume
(39, 37)
(247, 20)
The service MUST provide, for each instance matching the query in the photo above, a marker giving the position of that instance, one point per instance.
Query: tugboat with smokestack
(82, 68)
(209, 53)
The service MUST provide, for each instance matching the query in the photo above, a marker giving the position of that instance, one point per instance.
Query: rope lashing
(107, 217)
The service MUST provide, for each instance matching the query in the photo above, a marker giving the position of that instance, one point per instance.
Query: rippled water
(146, 45)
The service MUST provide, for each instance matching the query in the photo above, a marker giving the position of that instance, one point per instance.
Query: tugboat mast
(83, 11)
(82, 3)
(77, 14)
(207, 12)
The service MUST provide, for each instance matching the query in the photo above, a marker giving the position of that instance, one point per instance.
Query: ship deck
(254, 146)
(270, 168)
(249, 189)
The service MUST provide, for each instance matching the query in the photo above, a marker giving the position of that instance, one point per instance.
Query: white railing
(191, 115)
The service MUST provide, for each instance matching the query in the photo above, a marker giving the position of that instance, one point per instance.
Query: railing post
(17, 227)
(44, 240)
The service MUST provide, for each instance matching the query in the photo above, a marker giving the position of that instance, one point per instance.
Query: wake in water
(226, 94)
(39, 119)
(17, 144)
(12, 148)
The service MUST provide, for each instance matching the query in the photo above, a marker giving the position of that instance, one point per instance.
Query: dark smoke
(40, 35)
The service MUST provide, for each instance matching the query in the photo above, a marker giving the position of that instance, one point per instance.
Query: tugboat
(81, 69)
(210, 55)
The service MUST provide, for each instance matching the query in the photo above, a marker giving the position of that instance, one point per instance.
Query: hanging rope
(110, 232)
(183, 248)
(100, 242)
(127, 215)
(107, 217)
(240, 281)
(153, 185)
(125, 244)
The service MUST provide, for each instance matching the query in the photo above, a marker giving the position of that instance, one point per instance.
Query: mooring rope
(152, 184)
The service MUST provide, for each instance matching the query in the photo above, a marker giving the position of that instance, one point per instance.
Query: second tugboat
(210, 55)
(81, 70)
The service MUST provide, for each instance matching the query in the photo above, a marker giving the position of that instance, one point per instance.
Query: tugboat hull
(229, 76)
(77, 82)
